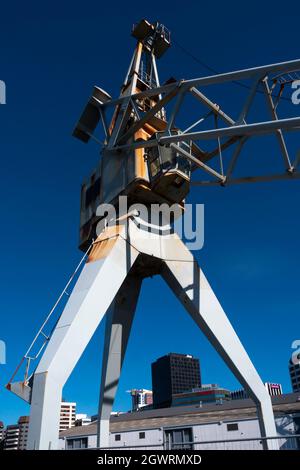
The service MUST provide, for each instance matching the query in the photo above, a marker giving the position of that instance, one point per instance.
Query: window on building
(179, 438)
(141, 435)
(232, 427)
(117, 437)
(78, 443)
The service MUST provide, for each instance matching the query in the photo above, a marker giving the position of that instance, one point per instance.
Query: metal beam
(119, 320)
(235, 156)
(251, 179)
(260, 128)
(213, 106)
(139, 124)
(248, 102)
(188, 282)
(290, 66)
(197, 162)
(244, 129)
(279, 134)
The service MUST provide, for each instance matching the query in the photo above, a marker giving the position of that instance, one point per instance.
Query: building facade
(173, 374)
(11, 441)
(210, 393)
(239, 394)
(2, 435)
(23, 424)
(15, 436)
(140, 398)
(67, 415)
(82, 419)
(273, 388)
(232, 425)
(294, 370)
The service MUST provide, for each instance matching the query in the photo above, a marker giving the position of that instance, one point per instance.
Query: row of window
(142, 434)
(174, 438)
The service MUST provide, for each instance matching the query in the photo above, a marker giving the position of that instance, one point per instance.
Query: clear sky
(51, 54)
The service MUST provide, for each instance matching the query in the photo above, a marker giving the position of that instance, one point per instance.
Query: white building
(67, 415)
(140, 397)
(82, 419)
(193, 427)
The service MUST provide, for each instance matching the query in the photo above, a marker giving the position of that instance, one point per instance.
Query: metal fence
(288, 442)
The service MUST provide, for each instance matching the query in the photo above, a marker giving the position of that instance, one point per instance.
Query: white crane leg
(119, 320)
(109, 263)
(188, 282)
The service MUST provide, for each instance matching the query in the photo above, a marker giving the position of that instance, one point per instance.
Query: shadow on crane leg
(100, 280)
(119, 320)
(189, 284)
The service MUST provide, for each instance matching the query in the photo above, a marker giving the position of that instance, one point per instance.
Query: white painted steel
(93, 293)
(100, 286)
(119, 320)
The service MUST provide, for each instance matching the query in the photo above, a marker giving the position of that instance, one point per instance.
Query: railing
(289, 442)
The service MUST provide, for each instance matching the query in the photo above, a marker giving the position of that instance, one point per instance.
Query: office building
(173, 374)
(140, 398)
(294, 370)
(210, 393)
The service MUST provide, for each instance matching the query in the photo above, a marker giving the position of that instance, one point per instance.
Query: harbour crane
(151, 161)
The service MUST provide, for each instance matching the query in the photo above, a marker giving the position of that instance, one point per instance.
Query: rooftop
(188, 415)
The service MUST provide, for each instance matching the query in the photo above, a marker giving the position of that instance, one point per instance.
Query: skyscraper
(171, 374)
(294, 370)
(12, 437)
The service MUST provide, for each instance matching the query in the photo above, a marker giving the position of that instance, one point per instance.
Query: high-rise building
(67, 415)
(273, 389)
(23, 424)
(140, 398)
(172, 374)
(294, 370)
(11, 441)
(14, 437)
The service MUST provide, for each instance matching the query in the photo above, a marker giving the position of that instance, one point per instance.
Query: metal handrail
(173, 445)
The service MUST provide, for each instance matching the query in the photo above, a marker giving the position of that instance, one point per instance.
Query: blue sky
(50, 57)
